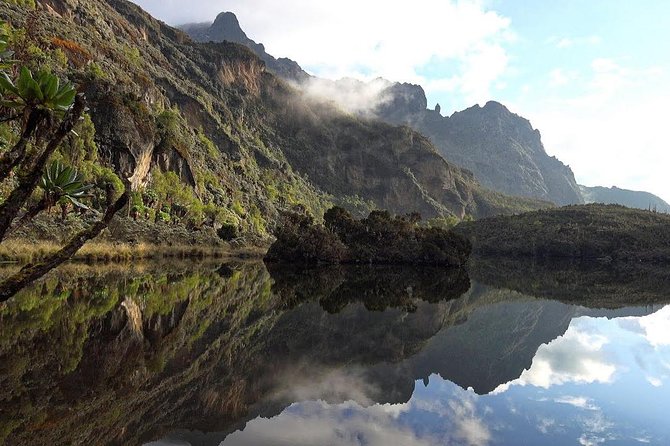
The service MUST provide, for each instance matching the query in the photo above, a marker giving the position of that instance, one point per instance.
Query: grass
(23, 252)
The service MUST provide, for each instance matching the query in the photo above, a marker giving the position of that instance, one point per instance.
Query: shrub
(227, 232)
(379, 238)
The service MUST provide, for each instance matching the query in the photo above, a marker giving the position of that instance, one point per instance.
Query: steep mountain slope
(502, 149)
(170, 112)
(624, 197)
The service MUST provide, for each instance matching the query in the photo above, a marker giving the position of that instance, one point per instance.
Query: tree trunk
(28, 182)
(30, 214)
(15, 156)
(30, 273)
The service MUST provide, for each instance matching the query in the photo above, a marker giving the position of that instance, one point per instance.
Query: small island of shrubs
(378, 239)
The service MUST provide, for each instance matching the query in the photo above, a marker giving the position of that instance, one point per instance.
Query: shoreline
(22, 252)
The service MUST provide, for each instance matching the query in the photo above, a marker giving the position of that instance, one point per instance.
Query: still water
(209, 354)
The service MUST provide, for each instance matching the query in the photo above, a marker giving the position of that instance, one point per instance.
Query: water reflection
(603, 381)
(204, 354)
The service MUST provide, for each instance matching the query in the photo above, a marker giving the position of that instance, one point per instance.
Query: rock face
(624, 197)
(226, 27)
(501, 148)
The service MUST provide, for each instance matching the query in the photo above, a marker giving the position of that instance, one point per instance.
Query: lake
(505, 353)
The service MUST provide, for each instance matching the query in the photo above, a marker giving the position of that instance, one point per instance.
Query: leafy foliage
(62, 184)
(379, 238)
(42, 91)
(608, 232)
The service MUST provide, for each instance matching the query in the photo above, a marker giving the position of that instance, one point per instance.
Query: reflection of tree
(377, 287)
(103, 349)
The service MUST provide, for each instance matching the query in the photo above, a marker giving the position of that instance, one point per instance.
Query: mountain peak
(227, 27)
(495, 106)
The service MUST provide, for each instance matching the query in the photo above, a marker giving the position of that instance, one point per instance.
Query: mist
(350, 95)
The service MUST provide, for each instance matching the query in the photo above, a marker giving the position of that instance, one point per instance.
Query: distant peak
(228, 28)
(227, 18)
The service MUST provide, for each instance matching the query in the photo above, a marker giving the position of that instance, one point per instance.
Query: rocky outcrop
(226, 27)
(242, 138)
(502, 149)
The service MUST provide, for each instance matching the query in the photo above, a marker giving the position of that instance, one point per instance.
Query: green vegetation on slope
(210, 139)
(608, 232)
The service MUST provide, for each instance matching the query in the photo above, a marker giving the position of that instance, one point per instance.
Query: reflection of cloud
(656, 327)
(575, 357)
(545, 424)
(469, 426)
(316, 423)
(304, 382)
(466, 426)
(595, 430)
(590, 440)
(577, 401)
(350, 424)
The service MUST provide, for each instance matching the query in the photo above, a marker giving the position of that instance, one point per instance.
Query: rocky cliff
(226, 27)
(502, 149)
(170, 112)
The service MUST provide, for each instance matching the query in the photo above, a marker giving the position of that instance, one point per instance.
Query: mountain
(226, 27)
(502, 149)
(624, 197)
(206, 128)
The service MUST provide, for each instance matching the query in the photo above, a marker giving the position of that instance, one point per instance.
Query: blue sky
(593, 76)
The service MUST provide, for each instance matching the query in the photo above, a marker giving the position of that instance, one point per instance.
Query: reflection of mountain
(124, 357)
(590, 284)
(495, 345)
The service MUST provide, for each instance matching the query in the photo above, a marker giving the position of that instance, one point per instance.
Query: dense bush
(379, 238)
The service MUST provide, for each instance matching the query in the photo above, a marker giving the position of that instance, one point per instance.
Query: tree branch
(30, 273)
(16, 155)
(28, 182)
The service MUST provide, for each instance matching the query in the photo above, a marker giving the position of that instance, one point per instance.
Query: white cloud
(569, 42)
(559, 77)
(349, 94)
(609, 125)
(393, 39)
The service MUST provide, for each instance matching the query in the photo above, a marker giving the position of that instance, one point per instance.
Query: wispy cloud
(569, 42)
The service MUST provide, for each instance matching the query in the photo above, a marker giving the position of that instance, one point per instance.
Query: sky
(593, 76)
